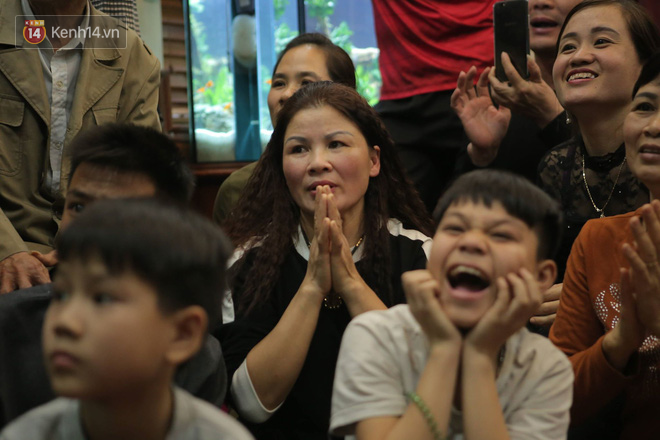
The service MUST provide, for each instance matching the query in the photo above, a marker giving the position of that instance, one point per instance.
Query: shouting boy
(456, 361)
(136, 289)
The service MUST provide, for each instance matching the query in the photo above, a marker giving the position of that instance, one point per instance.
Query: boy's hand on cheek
(518, 298)
(423, 293)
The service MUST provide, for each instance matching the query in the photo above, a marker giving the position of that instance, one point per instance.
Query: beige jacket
(114, 85)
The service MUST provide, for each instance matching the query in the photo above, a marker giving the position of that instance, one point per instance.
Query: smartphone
(511, 21)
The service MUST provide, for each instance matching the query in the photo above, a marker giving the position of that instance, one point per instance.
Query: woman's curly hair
(266, 217)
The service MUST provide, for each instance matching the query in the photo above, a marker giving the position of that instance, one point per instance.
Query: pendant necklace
(600, 211)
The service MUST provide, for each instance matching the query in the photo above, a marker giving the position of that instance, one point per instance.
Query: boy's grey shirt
(193, 419)
(384, 353)
(24, 384)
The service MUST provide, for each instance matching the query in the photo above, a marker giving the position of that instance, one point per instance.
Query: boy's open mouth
(468, 278)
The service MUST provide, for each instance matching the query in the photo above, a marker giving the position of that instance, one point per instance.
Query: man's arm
(141, 89)
(18, 269)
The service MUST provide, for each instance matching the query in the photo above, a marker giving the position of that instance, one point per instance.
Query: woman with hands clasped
(608, 321)
(456, 361)
(327, 225)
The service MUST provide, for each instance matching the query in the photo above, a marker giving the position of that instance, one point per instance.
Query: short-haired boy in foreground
(136, 288)
(456, 361)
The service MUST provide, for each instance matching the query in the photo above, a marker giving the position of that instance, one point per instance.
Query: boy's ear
(546, 273)
(189, 330)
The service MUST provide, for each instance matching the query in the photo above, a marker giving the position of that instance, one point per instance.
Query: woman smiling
(601, 49)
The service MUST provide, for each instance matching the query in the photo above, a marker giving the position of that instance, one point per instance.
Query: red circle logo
(33, 33)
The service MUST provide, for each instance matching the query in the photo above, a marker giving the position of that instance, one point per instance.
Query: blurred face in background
(299, 66)
(545, 20)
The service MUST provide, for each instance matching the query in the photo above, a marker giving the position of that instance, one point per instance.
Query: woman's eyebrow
(649, 95)
(597, 29)
(594, 30)
(307, 73)
(295, 138)
(335, 133)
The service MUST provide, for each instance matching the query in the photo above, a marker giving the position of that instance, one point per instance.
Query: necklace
(332, 300)
(601, 211)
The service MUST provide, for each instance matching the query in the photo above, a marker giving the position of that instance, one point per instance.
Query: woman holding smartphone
(601, 49)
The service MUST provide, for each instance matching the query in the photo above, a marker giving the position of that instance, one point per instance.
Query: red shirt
(424, 44)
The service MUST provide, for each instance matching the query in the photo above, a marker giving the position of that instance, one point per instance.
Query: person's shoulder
(613, 224)
(230, 192)
(390, 337)
(135, 47)
(412, 237)
(558, 152)
(393, 320)
(614, 220)
(196, 419)
(57, 419)
(397, 229)
(239, 177)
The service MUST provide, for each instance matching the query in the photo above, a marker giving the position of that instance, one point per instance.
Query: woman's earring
(568, 119)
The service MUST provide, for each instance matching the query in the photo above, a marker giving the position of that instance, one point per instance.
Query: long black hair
(268, 215)
(339, 64)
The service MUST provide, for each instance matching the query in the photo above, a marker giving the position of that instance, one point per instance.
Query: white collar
(301, 247)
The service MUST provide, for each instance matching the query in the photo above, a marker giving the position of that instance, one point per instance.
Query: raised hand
(547, 313)
(423, 297)
(518, 298)
(484, 124)
(624, 339)
(644, 273)
(533, 98)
